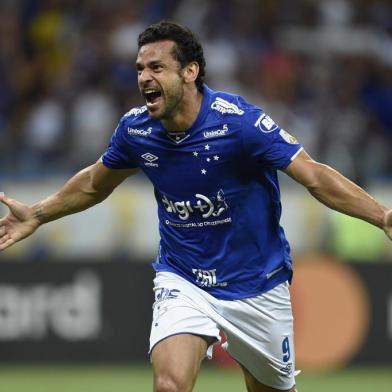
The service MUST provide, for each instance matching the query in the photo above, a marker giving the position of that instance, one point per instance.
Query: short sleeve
(264, 141)
(118, 154)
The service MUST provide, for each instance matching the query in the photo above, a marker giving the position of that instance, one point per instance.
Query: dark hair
(188, 47)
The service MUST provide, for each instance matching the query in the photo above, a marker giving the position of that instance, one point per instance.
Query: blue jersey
(217, 192)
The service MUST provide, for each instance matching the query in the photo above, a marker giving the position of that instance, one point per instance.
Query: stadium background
(321, 69)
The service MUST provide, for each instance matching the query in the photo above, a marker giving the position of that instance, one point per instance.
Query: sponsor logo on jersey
(287, 137)
(150, 159)
(136, 111)
(202, 204)
(266, 124)
(207, 278)
(139, 132)
(224, 107)
(218, 132)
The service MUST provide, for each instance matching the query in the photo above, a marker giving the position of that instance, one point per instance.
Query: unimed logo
(70, 311)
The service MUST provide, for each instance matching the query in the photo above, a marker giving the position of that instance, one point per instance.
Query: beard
(172, 98)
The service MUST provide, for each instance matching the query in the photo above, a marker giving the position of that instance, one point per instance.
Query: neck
(186, 113)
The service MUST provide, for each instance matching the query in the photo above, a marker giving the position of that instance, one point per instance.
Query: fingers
(17, 209)
(4, 237)
(6, 241)
(9, 202)
(4, 199)
(6, 244)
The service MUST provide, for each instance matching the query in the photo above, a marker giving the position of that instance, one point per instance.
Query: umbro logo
(150, 159)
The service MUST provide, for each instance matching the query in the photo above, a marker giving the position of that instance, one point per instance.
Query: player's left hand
(388, 224)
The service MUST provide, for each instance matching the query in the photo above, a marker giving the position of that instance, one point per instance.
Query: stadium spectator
(51, 48)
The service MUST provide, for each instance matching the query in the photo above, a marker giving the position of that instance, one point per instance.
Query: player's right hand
(18, 224)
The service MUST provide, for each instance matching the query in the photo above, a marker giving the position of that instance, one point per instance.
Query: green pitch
(139, 379)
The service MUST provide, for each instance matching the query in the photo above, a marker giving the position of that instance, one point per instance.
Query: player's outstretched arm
(87, 188)
(337, 192)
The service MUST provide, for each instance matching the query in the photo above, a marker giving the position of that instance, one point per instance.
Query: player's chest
(198, 160)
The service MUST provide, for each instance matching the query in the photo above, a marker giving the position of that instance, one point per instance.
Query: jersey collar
(178, 137)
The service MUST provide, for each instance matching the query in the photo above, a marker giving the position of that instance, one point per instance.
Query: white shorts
(259, 330)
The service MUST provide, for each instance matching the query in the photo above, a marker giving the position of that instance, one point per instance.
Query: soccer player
(224, 262)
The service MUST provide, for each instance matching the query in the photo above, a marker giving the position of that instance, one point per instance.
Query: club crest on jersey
(217, 132)
(224, 107)
(266, 124)
(136, 111)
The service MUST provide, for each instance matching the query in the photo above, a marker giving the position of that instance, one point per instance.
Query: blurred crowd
(321, 68)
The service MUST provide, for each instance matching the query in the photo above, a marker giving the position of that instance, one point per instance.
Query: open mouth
(152, 96)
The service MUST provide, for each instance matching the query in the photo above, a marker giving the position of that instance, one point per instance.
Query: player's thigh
(253, 385)
(260, 337)
(176, 362)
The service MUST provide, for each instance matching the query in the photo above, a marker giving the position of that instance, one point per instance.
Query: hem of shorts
(182, 333)
(261, 382)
